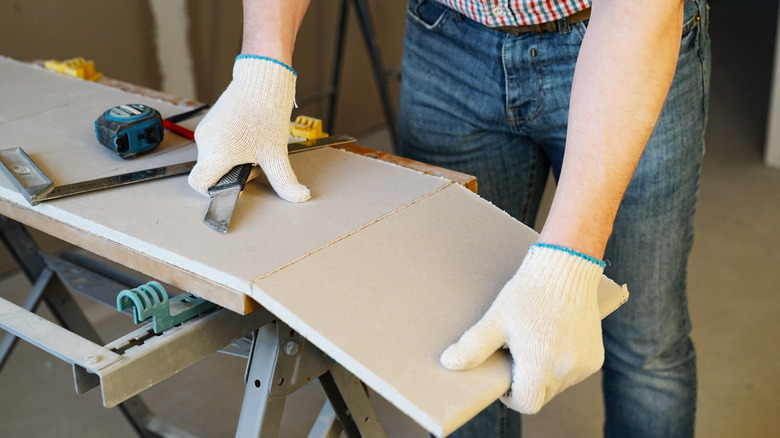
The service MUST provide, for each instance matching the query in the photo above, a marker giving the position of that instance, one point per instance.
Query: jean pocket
(429, 14)
(692, 16)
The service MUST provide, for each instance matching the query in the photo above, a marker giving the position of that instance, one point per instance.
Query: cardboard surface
(389, 299)
(382, 269)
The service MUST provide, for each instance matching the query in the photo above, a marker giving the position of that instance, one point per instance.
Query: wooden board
(382, 269)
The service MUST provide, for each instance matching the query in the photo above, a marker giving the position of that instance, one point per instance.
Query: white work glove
(548, 317)
(250, 123)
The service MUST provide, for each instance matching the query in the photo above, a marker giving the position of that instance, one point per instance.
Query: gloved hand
(548, 317)
(250, 123)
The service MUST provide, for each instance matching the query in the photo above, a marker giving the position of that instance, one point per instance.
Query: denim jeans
(495, 105)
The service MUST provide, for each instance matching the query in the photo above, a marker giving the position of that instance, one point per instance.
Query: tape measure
(129, 129)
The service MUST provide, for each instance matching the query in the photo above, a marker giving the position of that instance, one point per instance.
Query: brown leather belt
(560, 26)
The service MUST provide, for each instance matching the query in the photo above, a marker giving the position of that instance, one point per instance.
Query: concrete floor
(734, 299)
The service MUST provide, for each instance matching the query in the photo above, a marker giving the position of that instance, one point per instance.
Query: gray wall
(120, 38)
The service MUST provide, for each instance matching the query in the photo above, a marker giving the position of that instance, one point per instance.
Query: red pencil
(178, 129)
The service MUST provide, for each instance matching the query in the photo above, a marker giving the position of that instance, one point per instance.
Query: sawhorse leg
(367, 28)
(48, 287)
(361, 7)
(282, 361)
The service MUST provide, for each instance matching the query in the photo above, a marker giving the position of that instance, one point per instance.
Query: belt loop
(563, 25)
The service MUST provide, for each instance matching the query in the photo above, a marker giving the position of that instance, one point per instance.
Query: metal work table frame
(280, 361)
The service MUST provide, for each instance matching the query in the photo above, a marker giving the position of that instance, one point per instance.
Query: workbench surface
(382, 269)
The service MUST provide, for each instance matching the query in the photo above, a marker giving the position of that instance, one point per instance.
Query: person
(612, 97)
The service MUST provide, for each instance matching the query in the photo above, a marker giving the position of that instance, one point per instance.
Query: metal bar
(261, 413)
(339, 405)
(82, 260)
(22, 248)
(335, 75)
(58, 341)
(356, 399)
(66, 311)
(86, 281)
(315, 97)
(188, 114)
(30, 304)
(157, 357)
(141, 419)
(240, 348)
(298, 363)
(7, 344)
(376, 62)
(326, 425)
(281, 362)
(116, 181)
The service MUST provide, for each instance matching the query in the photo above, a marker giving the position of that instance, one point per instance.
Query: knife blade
(224, 194)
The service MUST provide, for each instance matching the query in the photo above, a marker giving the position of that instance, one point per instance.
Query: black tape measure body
(129, 129)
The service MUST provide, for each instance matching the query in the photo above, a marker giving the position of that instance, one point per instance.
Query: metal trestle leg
(281, 362)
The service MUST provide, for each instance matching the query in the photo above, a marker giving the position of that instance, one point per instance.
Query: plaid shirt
(494, 13)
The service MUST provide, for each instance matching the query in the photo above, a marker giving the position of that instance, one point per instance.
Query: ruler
(36, 186)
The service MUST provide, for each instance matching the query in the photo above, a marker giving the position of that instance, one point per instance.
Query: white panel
(385, 302)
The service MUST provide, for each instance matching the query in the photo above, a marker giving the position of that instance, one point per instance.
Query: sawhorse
(280, 361)
(380, 75)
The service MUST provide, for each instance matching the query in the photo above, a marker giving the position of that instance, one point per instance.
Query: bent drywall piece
(385, 302)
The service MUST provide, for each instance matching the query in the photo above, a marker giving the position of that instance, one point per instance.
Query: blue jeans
(495, 105)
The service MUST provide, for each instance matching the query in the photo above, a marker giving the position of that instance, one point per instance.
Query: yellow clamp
(307, 127)
(77, 67)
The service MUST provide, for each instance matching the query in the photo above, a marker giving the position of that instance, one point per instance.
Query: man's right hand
(250, 123)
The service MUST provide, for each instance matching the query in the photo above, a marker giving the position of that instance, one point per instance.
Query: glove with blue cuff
(548, 317)
(250, 123)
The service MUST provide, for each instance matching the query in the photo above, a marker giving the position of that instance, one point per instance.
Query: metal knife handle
(236, 177)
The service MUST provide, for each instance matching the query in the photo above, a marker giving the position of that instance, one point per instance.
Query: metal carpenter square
(36, 186)
(25, 175)
(33, 183)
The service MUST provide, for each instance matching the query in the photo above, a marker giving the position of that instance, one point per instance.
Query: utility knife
(224, 194)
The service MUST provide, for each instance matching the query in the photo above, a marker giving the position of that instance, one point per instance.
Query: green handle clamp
(151, 300)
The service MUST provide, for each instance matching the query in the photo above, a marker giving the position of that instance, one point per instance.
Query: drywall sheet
(382, 269)
(156, 227)
(51, 117)
(389, 299)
